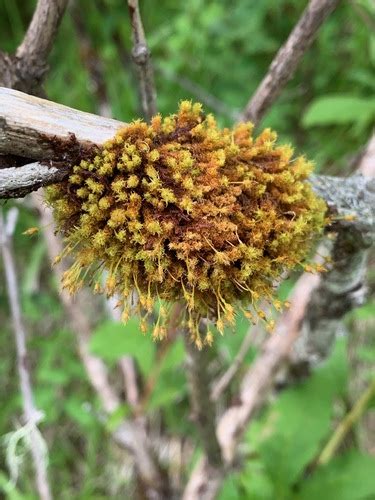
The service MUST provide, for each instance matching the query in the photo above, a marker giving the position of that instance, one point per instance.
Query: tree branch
(346, 424)
(41, 33)
(344, 286)
(16, 182)
(287, 58)
(250, 339)
(142, 58)
(204, 483)
(43, 130)
(92, 61)
(27, 68)
(32, 415)
(203, 410)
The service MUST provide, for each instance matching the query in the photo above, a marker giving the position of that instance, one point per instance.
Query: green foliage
(285, 441)
(339, 110)
(349, 477)
(113, 340)
(9, 489)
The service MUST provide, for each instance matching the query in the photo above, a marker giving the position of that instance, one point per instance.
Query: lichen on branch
(183, 210)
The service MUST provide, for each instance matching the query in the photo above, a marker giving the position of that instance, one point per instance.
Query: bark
(42, 130)
(203, 410)
(286, 60)
(26, 69)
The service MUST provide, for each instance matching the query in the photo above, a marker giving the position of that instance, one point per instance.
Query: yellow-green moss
(183, 210)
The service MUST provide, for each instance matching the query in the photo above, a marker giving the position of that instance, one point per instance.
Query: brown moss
(182, 210)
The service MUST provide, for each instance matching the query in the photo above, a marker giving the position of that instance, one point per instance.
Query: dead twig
(43, 130)
(16, 182)
(32, 415)
(287, 58)
(92, 62)
(41, 33)
(142, 58)
(203, 410)
(250, 339)
(128, 369)
(346, 424)
(27, 68)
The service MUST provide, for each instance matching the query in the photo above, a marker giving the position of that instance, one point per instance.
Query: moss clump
(182, 210)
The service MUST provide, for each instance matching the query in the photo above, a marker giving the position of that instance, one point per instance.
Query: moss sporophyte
(183, 210)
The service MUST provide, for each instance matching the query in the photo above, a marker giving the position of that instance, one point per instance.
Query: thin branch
(27, 68)
(92, 62)
(142, 58)
(32, 415)
(173, 328)
(41, 32)
(204, 483)
(287, 58)
(16, 182)
(346, 424)
(203, 410)
(258, 379)
(200, 93)
(249, 340)
(128, 369)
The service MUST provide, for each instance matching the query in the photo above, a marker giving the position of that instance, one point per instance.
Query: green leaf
(9, 490)
(339, 110)
(365, 312)
(298, 423)
(33, 268)
(170, 386)
(256, 482)
(366, 353)
(113, 340)
(117, 417)
(230, 488)
(77, 411)
(349, 477)
(174, 357)
(372, 49)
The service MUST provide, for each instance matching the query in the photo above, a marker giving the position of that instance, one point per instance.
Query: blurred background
(215, 52)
